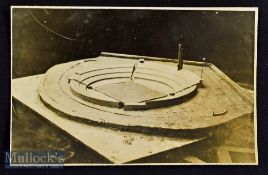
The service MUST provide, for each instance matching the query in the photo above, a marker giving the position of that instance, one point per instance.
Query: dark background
(262, 85)
(225, 38)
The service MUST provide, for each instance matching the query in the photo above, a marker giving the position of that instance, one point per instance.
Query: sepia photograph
(133, 86)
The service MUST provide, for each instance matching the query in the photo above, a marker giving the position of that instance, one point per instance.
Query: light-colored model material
(126, 114)
(82, 90)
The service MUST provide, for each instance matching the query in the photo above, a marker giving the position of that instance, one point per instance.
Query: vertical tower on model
(180, 61)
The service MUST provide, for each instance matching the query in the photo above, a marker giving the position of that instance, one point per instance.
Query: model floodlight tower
(180, 61)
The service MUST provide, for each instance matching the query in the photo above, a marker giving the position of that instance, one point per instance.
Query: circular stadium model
(140, 95)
